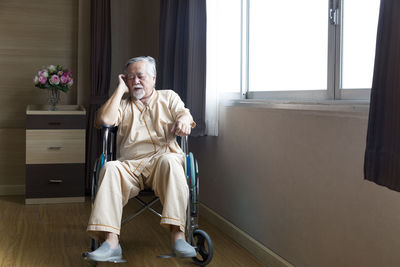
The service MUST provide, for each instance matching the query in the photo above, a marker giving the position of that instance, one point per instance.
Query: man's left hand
(182, 126)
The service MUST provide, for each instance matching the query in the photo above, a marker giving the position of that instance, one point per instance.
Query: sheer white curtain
(212, 98)
(223, 56)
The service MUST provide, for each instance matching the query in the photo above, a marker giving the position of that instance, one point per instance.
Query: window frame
(339, 92)
(334, 90)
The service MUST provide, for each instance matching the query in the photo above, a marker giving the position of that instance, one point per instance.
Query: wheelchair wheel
(204, 247)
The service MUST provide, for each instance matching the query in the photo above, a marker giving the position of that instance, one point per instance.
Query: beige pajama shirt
(148, 156)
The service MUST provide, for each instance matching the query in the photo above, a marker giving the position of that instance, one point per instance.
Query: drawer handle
(54, 147)
(55, 181)
(54, 123)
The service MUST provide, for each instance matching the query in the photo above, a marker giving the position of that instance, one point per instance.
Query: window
(224, 50)
(292, 54)
(358, 42)
(311, 49)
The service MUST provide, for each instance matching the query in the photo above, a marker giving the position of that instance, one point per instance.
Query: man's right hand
(108, 112)
(122, 83)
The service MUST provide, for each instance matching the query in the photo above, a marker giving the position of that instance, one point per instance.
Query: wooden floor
(54, 235)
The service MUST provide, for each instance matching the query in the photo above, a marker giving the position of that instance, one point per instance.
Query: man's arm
(183, 124)
(183, 119)
(108, 113)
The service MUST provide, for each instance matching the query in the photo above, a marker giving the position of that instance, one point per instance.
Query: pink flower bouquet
(54, 77)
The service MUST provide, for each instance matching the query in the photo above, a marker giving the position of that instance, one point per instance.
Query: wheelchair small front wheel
(204, 247)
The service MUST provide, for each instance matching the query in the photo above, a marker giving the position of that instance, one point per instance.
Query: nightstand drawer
(55, 122)
(55, 180)
(55, 146)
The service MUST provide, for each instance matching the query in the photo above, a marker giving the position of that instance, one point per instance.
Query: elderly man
(148, 157)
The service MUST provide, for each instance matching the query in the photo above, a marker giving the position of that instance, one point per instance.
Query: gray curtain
(100, 78)
(382, 155)
(182, 59)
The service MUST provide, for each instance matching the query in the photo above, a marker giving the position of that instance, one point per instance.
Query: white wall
(293, 180)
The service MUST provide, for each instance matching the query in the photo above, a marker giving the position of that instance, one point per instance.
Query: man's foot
(105, 253)
(183, 249)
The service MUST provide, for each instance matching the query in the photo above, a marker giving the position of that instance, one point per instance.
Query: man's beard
(138, 93)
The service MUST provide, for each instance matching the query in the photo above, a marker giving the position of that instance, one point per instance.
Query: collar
(140, 105)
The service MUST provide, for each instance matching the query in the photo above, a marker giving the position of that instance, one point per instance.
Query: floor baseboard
(57, 200)
(263, 254)
(9, 190)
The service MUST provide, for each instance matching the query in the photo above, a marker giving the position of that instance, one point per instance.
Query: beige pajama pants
(118, 183)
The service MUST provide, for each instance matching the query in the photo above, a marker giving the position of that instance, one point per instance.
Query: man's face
(139, 80)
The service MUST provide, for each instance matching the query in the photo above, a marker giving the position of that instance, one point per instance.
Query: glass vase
(54, 98)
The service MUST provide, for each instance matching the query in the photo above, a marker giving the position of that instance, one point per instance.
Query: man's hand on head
(122, 83)
(182, 126)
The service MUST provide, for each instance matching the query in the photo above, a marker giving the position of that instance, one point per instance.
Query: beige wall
(293, 180)
(84, 75)
(33, 34)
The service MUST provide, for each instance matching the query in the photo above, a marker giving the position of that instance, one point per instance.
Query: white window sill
(345, 106)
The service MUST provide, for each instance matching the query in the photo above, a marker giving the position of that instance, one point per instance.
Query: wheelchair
(199, 239)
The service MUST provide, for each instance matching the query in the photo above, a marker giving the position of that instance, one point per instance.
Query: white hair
(150, 60)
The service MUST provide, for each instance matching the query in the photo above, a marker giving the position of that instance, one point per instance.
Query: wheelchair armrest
(185, 144)
(109, 141)
(105, 126)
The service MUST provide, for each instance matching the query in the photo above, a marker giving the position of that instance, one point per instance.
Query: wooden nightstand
(55, 154)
